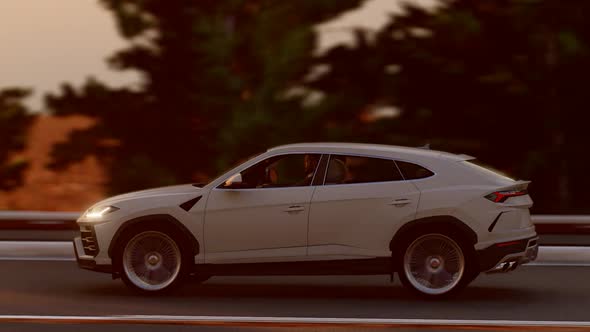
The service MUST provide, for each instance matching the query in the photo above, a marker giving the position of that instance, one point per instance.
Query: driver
(310, 163)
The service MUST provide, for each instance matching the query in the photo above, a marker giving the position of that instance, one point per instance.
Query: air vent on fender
(186, 206)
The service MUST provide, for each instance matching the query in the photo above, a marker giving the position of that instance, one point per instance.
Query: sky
(47, 42)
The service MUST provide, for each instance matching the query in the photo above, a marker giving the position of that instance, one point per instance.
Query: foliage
(503, 80)
(214, 76)
(14, 121)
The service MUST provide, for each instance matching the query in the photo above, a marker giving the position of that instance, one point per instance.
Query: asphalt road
(531, 293)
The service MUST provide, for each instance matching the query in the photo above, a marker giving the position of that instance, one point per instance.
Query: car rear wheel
(152, 262)
(435, 264)
(199, 278)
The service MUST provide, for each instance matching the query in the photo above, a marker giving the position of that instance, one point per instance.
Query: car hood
(162, 191)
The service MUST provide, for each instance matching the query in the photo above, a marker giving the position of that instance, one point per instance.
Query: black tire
(471, 276)
(402, 256)
(182, 263)
(199, 278)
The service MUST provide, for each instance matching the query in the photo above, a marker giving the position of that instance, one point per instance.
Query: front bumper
(506, 256)
(86, 261)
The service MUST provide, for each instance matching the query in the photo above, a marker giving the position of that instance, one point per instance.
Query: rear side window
(353, 169)
(413, 171)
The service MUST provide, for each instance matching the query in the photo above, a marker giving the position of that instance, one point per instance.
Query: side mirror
(234, 181)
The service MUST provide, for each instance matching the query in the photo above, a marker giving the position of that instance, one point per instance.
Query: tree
(15, 119)
(214, 76)
(501, 79)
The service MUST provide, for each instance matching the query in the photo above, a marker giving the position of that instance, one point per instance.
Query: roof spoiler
(517, 185)
(466, 157)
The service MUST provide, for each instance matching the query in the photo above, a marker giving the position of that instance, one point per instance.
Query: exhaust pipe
(506, 267)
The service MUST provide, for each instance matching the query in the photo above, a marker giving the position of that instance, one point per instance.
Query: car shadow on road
(395, 291)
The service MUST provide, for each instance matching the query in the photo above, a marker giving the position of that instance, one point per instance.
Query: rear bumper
(87, 262)
(506, 256)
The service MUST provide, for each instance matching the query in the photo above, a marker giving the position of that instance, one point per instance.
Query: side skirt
(372, 266)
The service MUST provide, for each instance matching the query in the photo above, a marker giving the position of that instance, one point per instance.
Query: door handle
(294, 208)
(400, 202)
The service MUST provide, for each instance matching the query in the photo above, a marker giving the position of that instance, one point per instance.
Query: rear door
(355, 213)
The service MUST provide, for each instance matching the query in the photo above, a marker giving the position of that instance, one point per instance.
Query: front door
(264, 218)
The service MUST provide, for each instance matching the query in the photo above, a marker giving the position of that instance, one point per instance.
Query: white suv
(435, 218)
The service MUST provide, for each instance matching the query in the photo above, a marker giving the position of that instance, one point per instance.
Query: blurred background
(99, 97)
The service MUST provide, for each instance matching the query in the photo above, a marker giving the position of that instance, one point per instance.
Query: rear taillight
(502, 196)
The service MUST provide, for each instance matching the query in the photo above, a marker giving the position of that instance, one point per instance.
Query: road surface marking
(300, 322)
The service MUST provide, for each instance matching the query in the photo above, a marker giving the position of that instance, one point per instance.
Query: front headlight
(98, 212)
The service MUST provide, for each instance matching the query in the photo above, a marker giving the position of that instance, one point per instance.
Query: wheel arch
(154, 218)
(449, 222)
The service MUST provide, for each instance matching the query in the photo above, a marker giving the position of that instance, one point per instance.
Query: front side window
(293, 170)
(344, 169)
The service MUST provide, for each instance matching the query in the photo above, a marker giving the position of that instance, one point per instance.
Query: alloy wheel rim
(152, 261)
(434, 264)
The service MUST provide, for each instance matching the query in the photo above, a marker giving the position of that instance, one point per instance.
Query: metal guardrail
(38, 220)
(543, 219)
(562, 224)
(38, 215)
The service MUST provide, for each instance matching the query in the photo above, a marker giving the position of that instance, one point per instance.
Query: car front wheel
(152, 262)
(434, 265)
